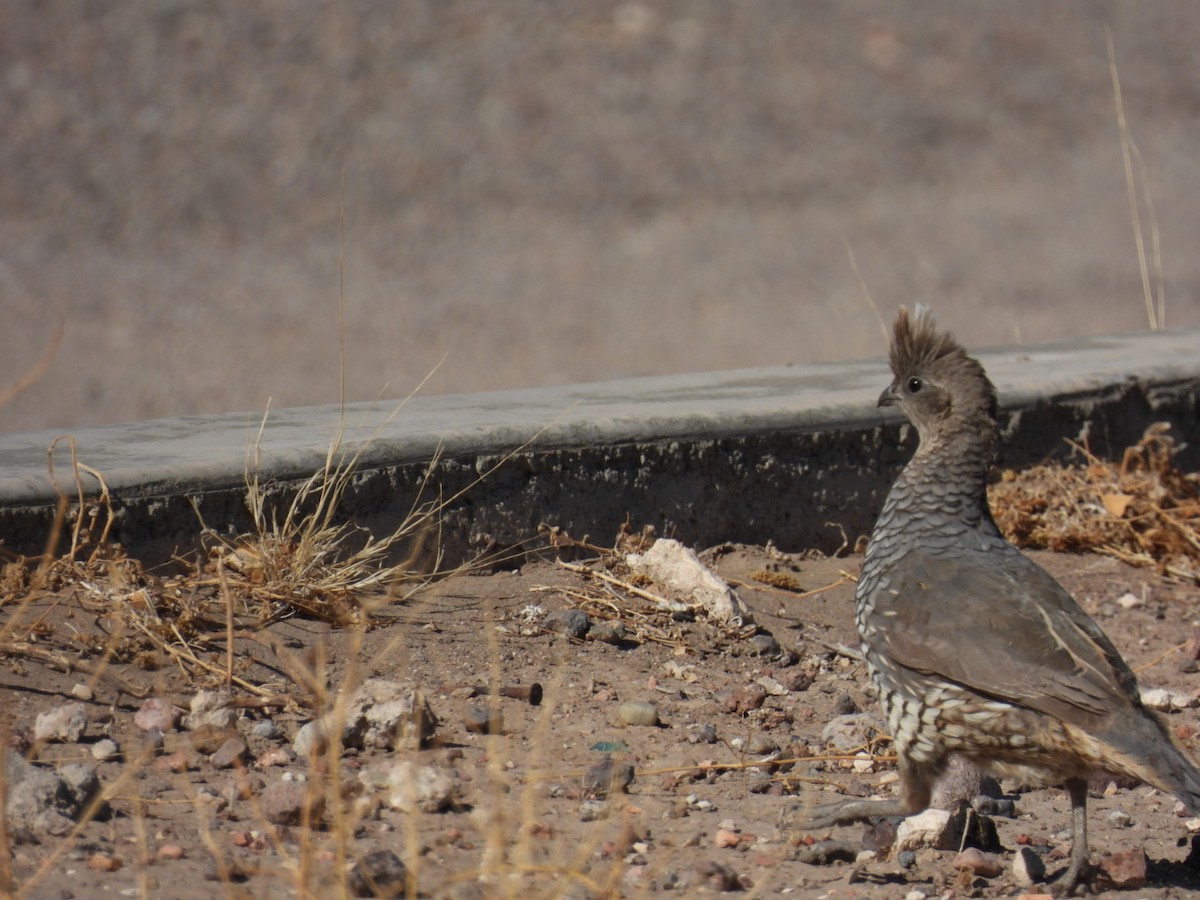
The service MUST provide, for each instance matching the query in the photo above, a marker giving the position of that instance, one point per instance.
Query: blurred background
(555, 192)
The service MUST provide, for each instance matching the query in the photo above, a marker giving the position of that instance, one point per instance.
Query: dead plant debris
(1143, 510)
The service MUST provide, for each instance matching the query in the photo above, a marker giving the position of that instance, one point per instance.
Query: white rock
(105, 749)
(383, 713)
(693, 584)
(1157, 699)
(1180, 700)
(1028, 868)
(864, 765)
(928, 829)
(413, 788)
(1192, 825)
(771, 686)
(1128, 601)
(210, 709)
(65, 724)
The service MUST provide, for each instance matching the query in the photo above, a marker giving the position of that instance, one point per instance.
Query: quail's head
(935, 382)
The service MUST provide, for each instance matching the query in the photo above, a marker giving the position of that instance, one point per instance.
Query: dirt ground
(695, 817)
(545, 196)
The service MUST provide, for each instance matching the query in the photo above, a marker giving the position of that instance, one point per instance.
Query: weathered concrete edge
(793, 454)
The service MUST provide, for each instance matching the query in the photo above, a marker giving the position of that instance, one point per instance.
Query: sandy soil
(693, 815)
(548, 196)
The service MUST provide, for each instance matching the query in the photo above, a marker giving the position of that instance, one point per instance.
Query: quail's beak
(890, 397)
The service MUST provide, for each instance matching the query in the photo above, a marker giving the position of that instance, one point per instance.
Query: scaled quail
(976, 650)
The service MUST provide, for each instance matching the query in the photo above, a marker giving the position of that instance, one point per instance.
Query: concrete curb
(794, 454)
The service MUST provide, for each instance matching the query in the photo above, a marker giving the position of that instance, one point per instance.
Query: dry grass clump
(303, 557)
(1144, 510)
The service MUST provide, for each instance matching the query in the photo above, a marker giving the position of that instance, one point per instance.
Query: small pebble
(170, 851)
(1028, 868)
(65, 724)
(638, 712)
(81, 691)
(482, 720)
(573, 623)
(265, 729)
(765, 644)
(157, 714)
(105, 749)
(1118, 818)
(725, 838)
(606, 632)
(380, 873)
(987, 865)
(231, 753)
(1125, 870)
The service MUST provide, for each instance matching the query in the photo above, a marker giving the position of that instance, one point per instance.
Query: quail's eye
(914, 385)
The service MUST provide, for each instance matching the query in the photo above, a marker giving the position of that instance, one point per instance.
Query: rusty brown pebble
(529, 692)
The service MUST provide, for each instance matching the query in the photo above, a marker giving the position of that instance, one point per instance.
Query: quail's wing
(997, 623)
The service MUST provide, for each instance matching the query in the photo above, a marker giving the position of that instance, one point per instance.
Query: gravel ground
(552, 193)
(191, 816)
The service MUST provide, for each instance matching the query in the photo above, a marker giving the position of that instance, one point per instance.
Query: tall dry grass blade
(866, 291)
(38, 369)
(1155, 315)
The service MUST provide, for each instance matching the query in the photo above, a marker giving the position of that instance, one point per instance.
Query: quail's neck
(943, 489)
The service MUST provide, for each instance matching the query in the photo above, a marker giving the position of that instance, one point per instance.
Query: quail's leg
(916, 784)
(1079, 870)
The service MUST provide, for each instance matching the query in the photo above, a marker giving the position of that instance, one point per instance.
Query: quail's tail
(1144, 747)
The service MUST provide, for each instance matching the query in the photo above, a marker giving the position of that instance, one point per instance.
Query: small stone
(210, 711)
(1129, 601)
(863, 764)
(380, 873)
(638, 712)
(573, 623)
(701, 734)
(266, 730)
(103, 862)
(410, 787)
(764, 644)
(1118, 818)
(771, 686)
(725, 838)
(1158, 699)
(849, 732)
(157, 714)
(826, 853)
(275, 756)
(930, 828)
(105, 749)
(745, 699)
(607, 632)
(1028, 868)
(310, 740)
(231, 753)
(482, 720)
(607, 776)
(290, 803)
(81, 691)
(986, 865)
(79, 786)
(170, 851)
(1125, 870)
(66, 724)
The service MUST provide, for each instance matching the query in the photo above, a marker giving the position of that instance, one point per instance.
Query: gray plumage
(974, 648)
